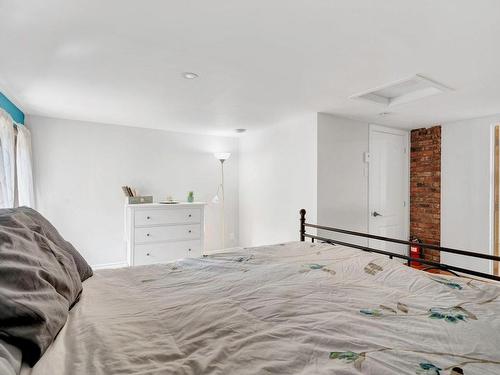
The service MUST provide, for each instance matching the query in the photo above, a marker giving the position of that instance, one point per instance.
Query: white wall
(466, 189)
(278, 168)
(79, 168)
(342, 175)
(313, 162)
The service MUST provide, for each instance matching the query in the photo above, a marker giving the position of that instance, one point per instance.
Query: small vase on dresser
(159, 233)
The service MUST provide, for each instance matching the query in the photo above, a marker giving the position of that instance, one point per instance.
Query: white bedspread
(296, 308)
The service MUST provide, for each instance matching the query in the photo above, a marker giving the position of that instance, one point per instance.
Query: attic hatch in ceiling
(403, 91)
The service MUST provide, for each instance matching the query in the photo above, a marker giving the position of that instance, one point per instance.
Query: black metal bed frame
(431, 264)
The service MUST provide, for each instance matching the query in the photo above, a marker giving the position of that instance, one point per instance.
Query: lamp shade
(222, 155)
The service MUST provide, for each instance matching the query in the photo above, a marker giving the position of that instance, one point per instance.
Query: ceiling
(259, 61)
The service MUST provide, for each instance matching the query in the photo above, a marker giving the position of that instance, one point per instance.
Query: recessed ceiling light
(240, 130)
(190, 75)
(403, 91)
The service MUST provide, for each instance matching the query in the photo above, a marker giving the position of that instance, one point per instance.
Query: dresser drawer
(167, 233)
(168, 216)
(166, 252)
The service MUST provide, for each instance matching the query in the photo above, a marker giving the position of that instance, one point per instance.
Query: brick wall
(425, 187)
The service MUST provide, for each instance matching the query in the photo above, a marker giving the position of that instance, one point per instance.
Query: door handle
(375, 214)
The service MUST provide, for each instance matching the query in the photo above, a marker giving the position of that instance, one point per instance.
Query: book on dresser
(159, 233)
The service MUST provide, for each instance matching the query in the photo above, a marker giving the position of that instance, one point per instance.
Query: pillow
(48, 230)
(39, 283)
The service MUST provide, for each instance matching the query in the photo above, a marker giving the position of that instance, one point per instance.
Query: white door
(388, 187)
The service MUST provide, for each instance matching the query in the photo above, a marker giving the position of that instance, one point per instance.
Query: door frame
(406, 134)
(494, 266)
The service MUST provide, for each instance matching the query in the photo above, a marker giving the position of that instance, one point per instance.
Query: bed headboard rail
(432, 264)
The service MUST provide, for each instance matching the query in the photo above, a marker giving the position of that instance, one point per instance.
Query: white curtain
(7, 160)
(25, 190)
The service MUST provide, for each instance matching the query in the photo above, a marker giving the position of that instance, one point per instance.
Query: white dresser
(157, 233)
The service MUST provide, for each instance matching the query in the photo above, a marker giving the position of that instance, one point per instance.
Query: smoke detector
(190, 75)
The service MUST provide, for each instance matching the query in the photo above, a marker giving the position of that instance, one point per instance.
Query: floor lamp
(222, 156)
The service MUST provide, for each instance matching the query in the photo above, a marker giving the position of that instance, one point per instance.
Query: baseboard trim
(103, 266)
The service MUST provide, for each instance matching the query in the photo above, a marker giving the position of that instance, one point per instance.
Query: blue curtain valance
(16, 114)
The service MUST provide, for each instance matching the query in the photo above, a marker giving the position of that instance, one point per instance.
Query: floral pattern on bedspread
(428, 369)
(294, 308)
(448, 283)
(451, 314)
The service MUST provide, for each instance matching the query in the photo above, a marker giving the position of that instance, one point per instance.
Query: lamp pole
(222, 156)
(223, 211)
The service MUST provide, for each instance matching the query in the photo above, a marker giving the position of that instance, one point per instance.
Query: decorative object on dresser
(128, 191)
(222, 156)
(169, 200)
(140, 199)
(158, 233)
(134, 198)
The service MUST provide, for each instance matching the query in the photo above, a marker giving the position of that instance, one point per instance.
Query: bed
(291, 308)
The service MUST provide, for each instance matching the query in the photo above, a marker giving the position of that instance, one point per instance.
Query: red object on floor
(415, 251)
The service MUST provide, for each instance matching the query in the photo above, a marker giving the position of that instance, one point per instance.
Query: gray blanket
(39, 282)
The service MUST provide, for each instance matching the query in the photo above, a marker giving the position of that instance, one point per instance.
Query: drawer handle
(147, 254)
(189, 249)
(189, 231)
(148, 217)
(189, 215)
(147, 234)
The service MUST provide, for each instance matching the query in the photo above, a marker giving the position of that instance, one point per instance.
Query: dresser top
(155, 205)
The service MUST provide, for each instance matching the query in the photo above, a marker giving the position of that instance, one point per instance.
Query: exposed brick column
(425, 187)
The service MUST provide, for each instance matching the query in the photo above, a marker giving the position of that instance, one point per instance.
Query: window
(16, 176)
